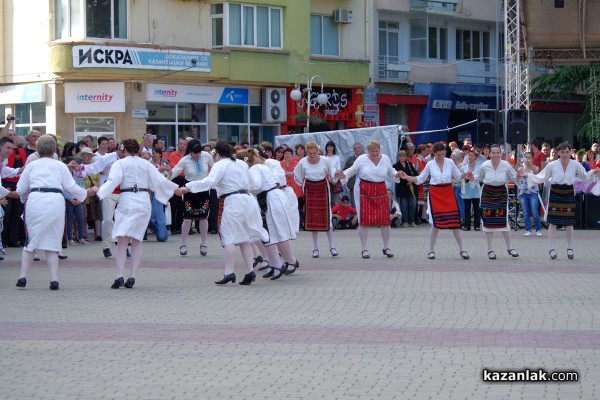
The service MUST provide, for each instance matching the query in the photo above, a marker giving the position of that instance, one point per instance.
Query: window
(95, 127)
(239, 123)
(104, 19)
(428, 42)
(172, 121)
(472, 45)
(30, 116)
(324, 36)
(246, 25)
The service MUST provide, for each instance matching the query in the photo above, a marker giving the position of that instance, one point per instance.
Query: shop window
(94, 127)
(324, 36)
(242, 124)
(30, 116)
(104, 19)
(172, 121)
(246, 25)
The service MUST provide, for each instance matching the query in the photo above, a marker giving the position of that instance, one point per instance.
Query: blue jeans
(459, 200)
(74, 211)
(157, 220)
(408, 206)
(531, 208)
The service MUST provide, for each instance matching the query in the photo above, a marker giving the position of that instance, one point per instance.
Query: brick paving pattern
(340, 328)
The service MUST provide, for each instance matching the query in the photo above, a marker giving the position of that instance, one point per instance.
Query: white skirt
(241, 221)
(294, 215)
(279, 217)
(45, 221)
(132, 215)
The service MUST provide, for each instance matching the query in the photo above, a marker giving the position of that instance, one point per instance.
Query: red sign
(342, 105)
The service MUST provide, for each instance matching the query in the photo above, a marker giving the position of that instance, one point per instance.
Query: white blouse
(49, 173)
(226, 176)
(555, 174)
(366, 170)
(277, 170)
(336, 162)
(194, 170)
(263, 178)
(495, 177)
(313, 172)
(439, 177)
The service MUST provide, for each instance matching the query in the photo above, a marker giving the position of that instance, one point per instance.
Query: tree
(574, 82)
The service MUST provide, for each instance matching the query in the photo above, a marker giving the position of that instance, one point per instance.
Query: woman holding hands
(495, 174)
(443, 208)
(372, 169)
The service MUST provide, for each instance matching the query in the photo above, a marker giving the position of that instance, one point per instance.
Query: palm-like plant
(574, 82)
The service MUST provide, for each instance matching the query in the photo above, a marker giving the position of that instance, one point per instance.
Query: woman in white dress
(314, 173)
(41, 188)
(561, 208)
(372, 169)
(274, 203)
(195, 165)
(136, 177)
(240, 222)
(495, 174)
(443, 206)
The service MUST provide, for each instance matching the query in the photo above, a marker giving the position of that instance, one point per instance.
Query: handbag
(336, 187)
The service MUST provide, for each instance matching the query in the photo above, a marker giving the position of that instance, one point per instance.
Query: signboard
(458, 105)
(371, 115)
(139, 113)
(94, 97)
(196, 94)
(139, 57)
(23, 94)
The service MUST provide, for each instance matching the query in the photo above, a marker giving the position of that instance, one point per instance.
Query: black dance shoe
(117, 283)
(22, 282)
(248, 278)
(54, 285)
(227, 279)
(107, 253)
(289, 271)
(278, 274)
(130, 282)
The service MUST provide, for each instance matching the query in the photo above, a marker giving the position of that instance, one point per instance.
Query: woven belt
(241, 191)
(134, 189)
(46, 190)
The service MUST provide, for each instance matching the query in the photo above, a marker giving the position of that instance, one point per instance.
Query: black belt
(241, 191)
(46, 190)
(283, 187)
(134, 189)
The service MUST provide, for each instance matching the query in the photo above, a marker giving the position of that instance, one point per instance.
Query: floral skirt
(196, 205)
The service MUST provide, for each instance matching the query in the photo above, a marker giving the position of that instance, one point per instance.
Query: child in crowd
(395, 213)
(343, 215)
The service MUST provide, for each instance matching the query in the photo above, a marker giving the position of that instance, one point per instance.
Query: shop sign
(371, 115)
(458, 105)
(196, 94)
(23, 94)
(94, 97)
(139, 113)
(139, 57)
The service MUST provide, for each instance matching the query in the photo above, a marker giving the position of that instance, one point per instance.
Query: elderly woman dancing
(239, 215)
(41, 188)
(372, 169)
(136, 178)
(443, 208)
(561, 208)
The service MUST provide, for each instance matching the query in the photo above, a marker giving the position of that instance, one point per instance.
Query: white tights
(136, 255)
(552, 236)
(51, 261)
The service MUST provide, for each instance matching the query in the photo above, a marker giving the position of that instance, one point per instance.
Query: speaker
(487, 126)
(592, 211)
(517, 126)
(579, 211)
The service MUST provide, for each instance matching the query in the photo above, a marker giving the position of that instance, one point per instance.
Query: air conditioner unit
(274, 105)
(342, 16)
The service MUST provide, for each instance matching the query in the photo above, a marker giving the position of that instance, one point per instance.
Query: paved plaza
(339, 328)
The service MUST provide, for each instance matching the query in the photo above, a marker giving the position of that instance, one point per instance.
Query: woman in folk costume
(195, 165)
(136, 178)
(561, 208)
(314, 173)
(274, 202)
(443, 208)
(495, 174)
(41, 188)
(372, 169)
(239, 215)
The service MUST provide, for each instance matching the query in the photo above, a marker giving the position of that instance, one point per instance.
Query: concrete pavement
(340, 328)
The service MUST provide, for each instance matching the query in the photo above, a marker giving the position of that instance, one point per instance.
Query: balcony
(390, 69)
(439, 7)
(482, 73)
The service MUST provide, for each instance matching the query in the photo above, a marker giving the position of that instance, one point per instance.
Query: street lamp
(296, 95)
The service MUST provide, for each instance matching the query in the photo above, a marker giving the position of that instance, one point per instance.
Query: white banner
(94, 97)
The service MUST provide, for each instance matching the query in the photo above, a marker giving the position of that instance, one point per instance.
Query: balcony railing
(484, 73)
(442, 6)
(389, 67)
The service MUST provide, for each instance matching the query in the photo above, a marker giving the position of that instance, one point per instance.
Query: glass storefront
(242, 123)
(172, 121)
